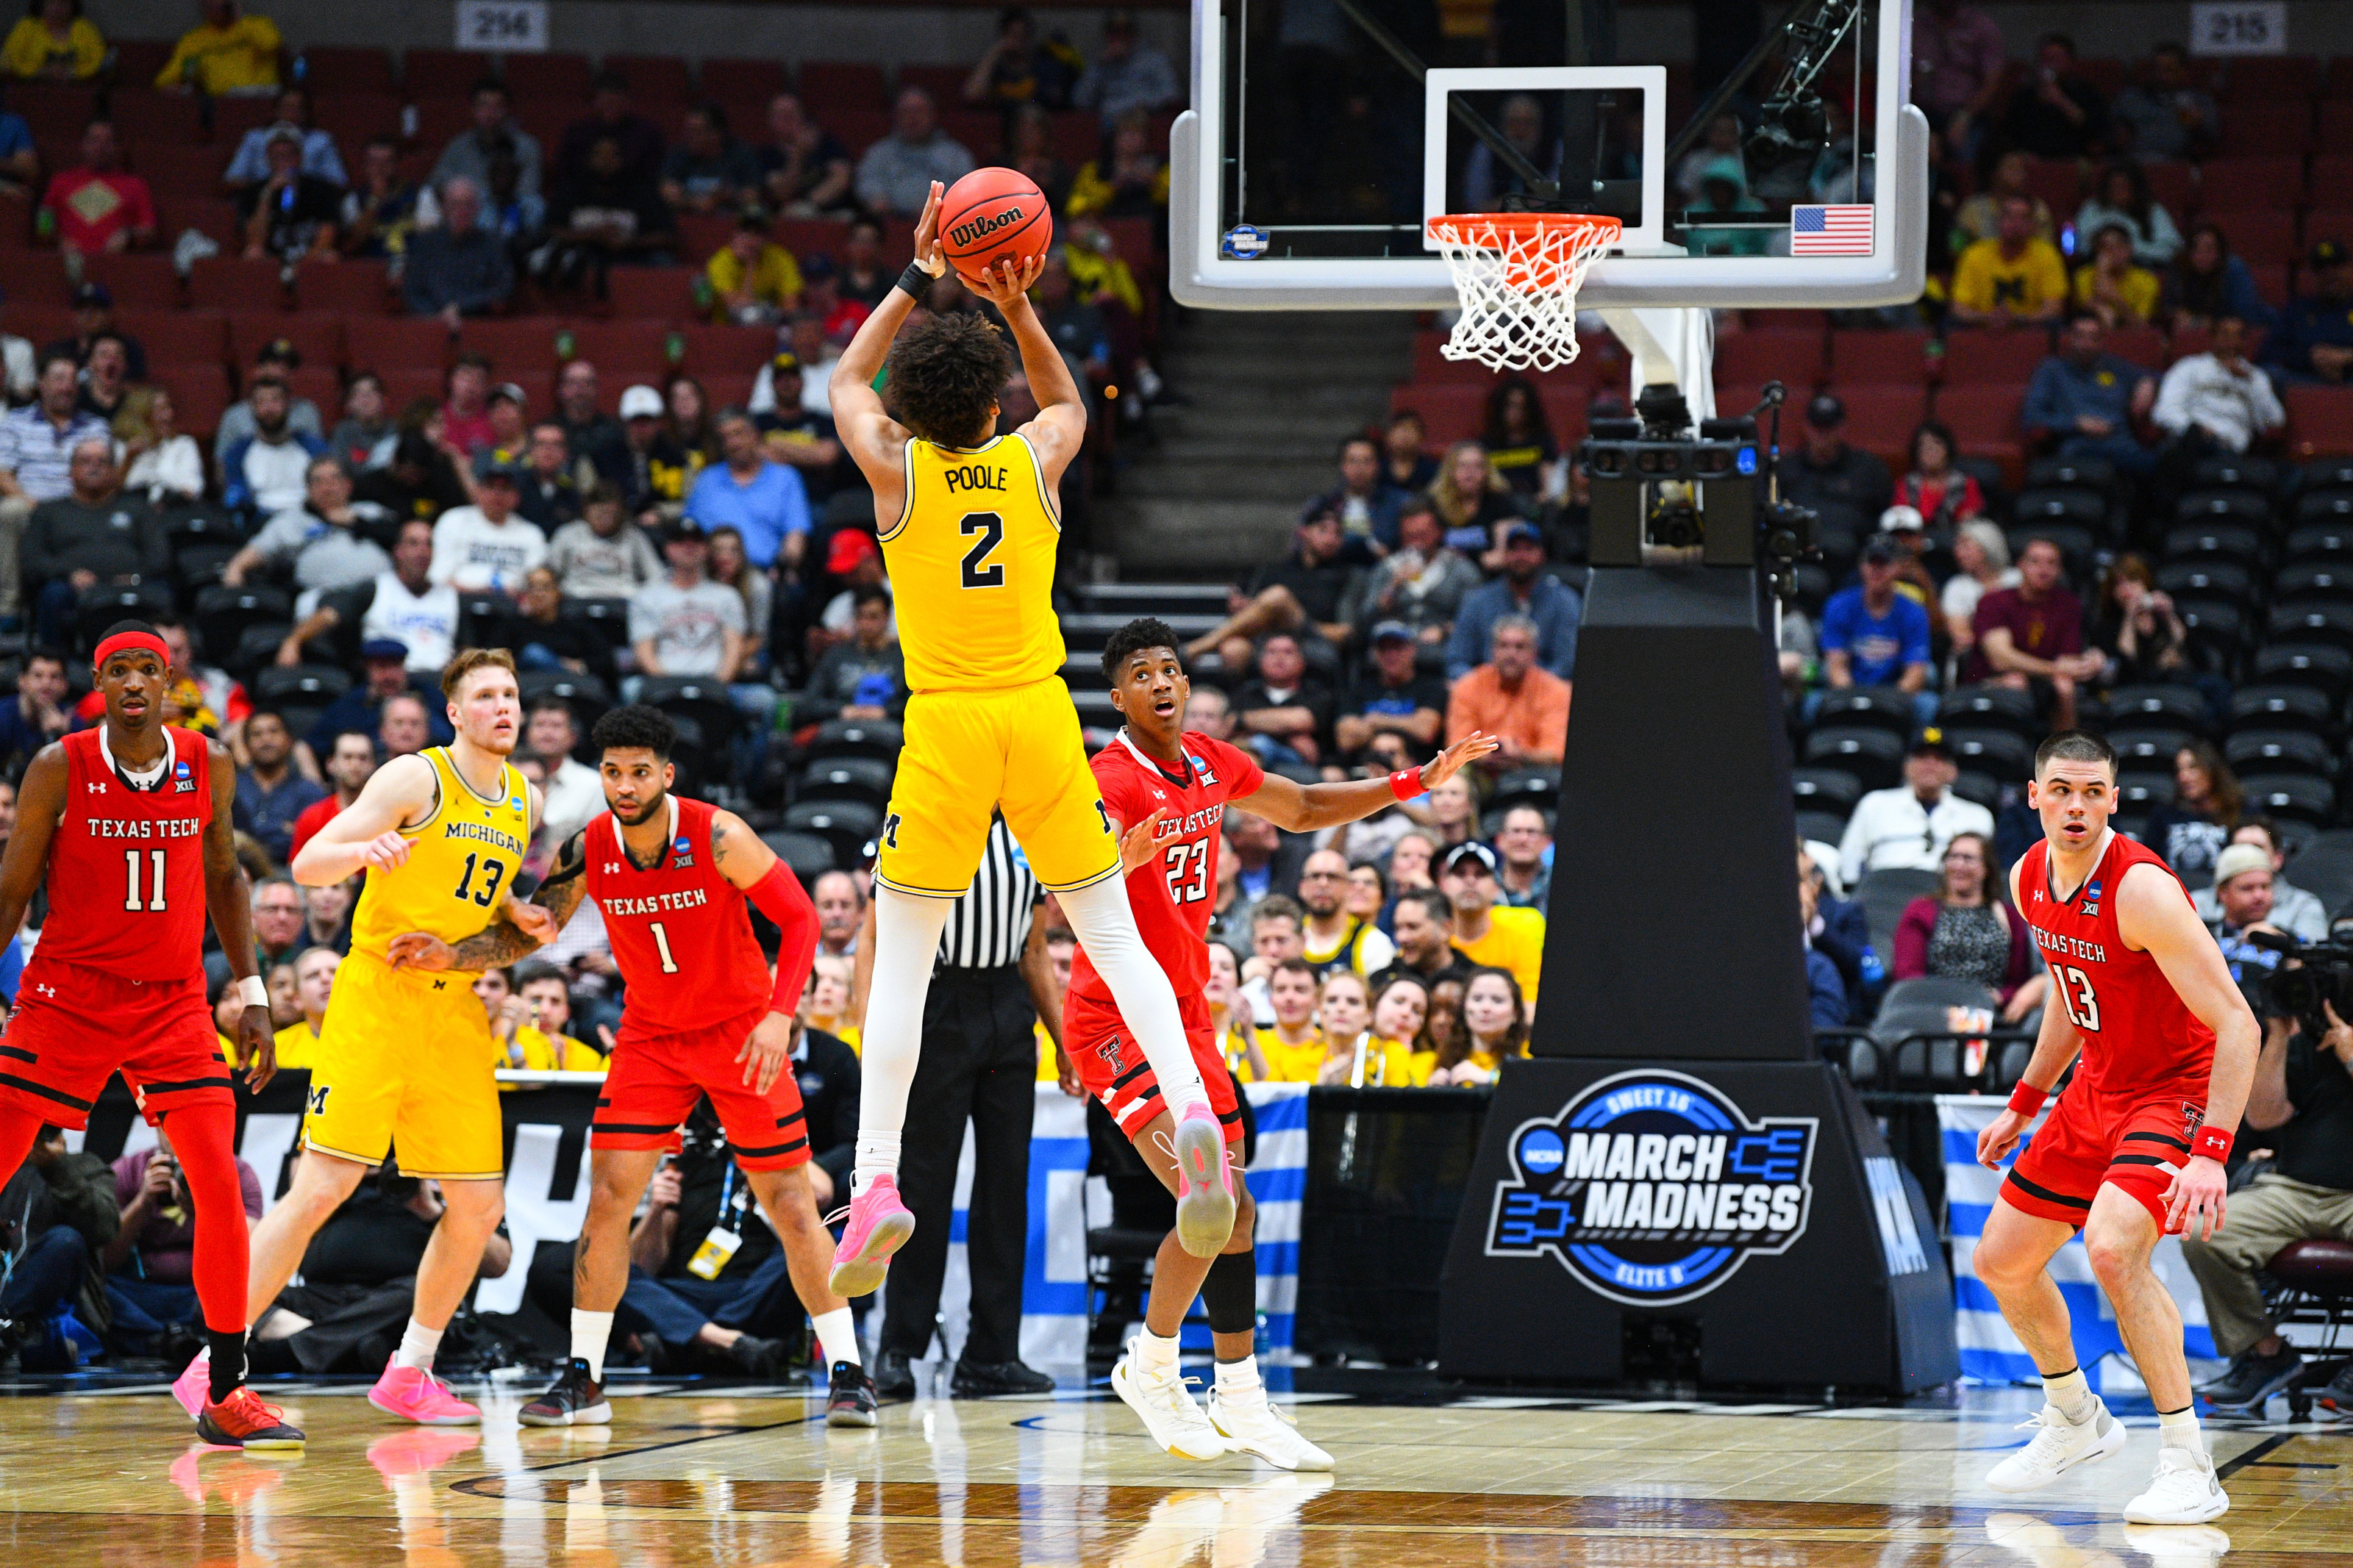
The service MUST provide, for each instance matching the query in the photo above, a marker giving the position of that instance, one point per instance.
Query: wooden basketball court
(96, 1473)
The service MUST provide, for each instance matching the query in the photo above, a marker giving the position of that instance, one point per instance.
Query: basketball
(991, 215)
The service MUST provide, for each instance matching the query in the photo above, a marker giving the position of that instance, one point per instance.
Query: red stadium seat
(944, 83)
(138, 61)
(982, 130)
(439, 120)
(2265, 128)
(2058, 184)
(653, 293)
(812, 236)
(547, 76)
(2335, 130)
(654, 80)
(2262, 236)
(142, 115)
(177, 337)
(37, 324)
(2271, 282)
(743, 81)
(199, 395)
(538, 391)
(333, 70)
(389, 343)
(1984, 420)
(2328, 223)
(175, 215)
(1894, 357)
(721, 350)
(2332, 175)
(2144, 346)
(858, 129)
(322, 386)
(701, 236)
(1565, 410)
(514, 347)
(2319, 421)
(829, 87)
(227, 282)
(2239, 185)
(316, 335)
(727, 389)
(354, 119)
(233, 117)
(1077, 136)
(54, 108)
(180, 168)
(1795, 358)
(444, 73)
(1786, 321)
(2340, 76)
(1977, 354)
(38, 281)
(2268, 80)
(613, 345)
(140, 279)
(348, 288)
(1448, 414)
(406, 384)
(1880, 417)
(2108, 76)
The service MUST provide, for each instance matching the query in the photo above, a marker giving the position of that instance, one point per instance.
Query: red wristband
(2026, 1100)
(2212, 1143)
(1406, 784)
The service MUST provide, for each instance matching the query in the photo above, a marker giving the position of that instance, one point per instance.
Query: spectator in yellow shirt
(527, 1023)
(2011, 277)
(1401, 1019)
(227, 56)
(314, 981)
(753, 280)
(1293, 1047)
(54, 43)
(1491, 936)
(1355, 1056)
(825, 1006)
(2112, 287)
(1494, 1025)
(1237, 1040)
(1133, 182)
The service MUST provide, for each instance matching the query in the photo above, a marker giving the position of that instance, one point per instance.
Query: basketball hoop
(1518, 274)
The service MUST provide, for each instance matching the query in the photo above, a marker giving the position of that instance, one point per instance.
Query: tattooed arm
(502, 942)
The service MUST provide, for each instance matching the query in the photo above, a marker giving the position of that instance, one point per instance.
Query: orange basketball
(993, 215)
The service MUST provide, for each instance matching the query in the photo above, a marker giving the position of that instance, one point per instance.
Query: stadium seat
(1795, 358)
(2208, 578)
(143, 281)
(1878, 706)
(209, 216)
(2002, 752)
(2218, 627)
(1984, 420)
(1539, 787)
(2336, 131)
(2237, 471)
(336, 71)
(2253, 81)
(2078, 545)
(191, 168)
(1874, 756)
(2294, 797)
(713, 352)
(944, 83)
(878, 738)
(655, 81)
(2323, 667)
(2266, 128)
(2229, 541)
(143, 116)
(2144, 706)
(2263, 236)
(2284, 708)
(2314, 580)
(1880, 417)
(2280, 751)
(2245, 185)
(618, 350)
(1822, 827)
(2139, 794)
(2324, 541)
(386, 343)
(1884, 895)
(227, 282)
(2319, 420)
(827, 85)
(1978, 788)
(584, 694)
(848, 826)
(844, 778)
(444, 73)
(352, 290)
(407, 384)
(100, 607)
(744, 82)
(2144, 346)
(1896, 356)
(177, 337)
(353, 117)
(2309, 622)
(316, 336)
(513, 345)
(2145, 750)
(561, 76)
(810, 854)
(2174, 186)
(2057, 182)
(199, 395)
(222, 613)
(1980, 354)
(1990, 707)
(323, 386)
(662, 293)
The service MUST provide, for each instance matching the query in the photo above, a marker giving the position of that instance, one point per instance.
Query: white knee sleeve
(1106, 929)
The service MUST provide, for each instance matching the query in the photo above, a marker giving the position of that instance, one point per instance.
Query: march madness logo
(1653, 1188)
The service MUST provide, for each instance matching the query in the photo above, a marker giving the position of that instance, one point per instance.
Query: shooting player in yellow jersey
(404, 1060)
(969, 522)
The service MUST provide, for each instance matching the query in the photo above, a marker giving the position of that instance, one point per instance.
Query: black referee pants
(979, 1062)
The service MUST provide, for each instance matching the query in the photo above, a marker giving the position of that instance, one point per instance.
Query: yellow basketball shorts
(969, 753)
(404, 1062)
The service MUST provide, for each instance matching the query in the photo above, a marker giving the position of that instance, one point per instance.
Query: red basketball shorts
(657, 1075)
(2136, 1142)
(1112, 1065)
(76, 1026)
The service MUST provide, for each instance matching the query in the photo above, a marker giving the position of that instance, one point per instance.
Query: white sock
(1105, 925)
(2179, 1430)
(1237, 1381)
(591, 1331)
(906, 939)
(417, 1345)
(837, 1335)
(1153, 1354)
(2071, 1395)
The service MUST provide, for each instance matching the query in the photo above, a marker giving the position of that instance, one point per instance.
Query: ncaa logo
(1653, 1188)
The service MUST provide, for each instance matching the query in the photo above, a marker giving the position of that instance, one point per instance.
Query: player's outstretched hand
(928, 255)
(767, 1052)
(2193, 1201)
(1999, 1136)
(416, 950)
(387, 851)
(1139, 843)
(534, 920)
(256, 1048)
(1005, 284)
(1458, 756)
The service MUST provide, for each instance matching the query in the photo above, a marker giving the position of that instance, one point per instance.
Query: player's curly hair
(944, 374)
(635, 727)
(1137, 637)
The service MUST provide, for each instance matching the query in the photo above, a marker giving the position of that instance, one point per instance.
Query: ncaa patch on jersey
(1242, 243)
(1653, 1188)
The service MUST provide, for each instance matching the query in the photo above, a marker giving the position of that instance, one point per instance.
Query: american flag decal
(1830, 231)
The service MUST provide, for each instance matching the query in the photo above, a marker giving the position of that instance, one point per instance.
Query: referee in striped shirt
(991, 985)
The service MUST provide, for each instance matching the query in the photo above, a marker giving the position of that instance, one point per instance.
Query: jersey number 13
(2075, 994)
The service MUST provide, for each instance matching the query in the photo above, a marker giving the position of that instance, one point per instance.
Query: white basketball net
(1518, 274)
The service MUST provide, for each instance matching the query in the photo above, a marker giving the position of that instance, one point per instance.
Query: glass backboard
(1321, 132)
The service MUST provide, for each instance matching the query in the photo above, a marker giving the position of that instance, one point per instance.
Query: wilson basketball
(992, 215)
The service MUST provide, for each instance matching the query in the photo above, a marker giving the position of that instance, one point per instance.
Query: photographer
(149, 1262)
(2302, 1101)
(2242, 899)
(56, 1211)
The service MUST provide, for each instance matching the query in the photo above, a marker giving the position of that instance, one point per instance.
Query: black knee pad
(1230, 1293)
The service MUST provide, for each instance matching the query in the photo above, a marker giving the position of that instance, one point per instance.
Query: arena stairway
(1098, 609)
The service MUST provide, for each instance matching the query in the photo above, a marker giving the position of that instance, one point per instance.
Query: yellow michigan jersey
(405, 1056)
(989, 725)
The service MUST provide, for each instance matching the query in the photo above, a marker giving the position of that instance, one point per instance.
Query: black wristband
(915, 280)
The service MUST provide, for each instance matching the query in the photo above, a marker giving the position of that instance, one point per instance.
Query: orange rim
(1585, 226)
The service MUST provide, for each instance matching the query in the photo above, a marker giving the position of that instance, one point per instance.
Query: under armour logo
(612, 868)
(95, 786)
(47, 990)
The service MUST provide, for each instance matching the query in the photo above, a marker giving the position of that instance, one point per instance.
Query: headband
(126, 642)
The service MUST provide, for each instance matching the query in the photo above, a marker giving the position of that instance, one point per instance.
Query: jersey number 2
(131, 880)
(991, 528)
(2076, 996)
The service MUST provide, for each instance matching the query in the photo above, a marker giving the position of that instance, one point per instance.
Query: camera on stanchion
(1665, 496)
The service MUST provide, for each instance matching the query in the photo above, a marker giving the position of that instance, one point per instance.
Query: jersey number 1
(662, 944)
(991, 528)
(131, 880)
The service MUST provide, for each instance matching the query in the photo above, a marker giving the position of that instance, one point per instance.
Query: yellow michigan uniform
(405, 1056)
(989, 724)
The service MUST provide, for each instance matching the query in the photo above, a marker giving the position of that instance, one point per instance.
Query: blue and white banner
(1990, 1351)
